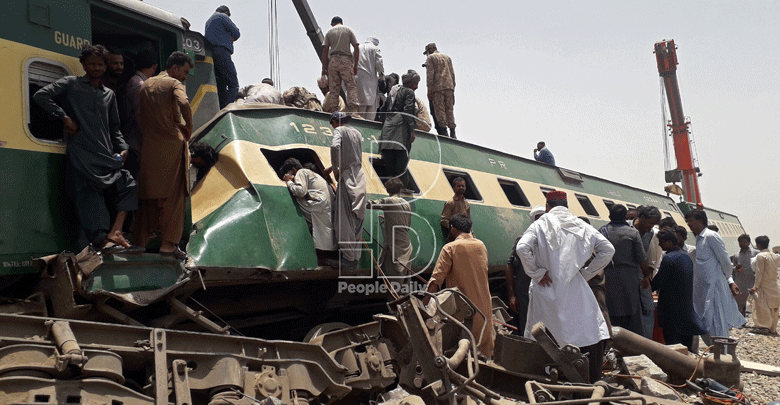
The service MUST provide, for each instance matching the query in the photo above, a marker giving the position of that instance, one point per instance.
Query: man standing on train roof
(96, 149)
(147, 67)
(440, 80)
(165, 157)
(346, 157)
(370, 71)
(457, 205)
(712, 298)
(743, 273)
(463, 263)
(766, 289)
(340, 65)
(554, 250)
(542, 154)
(221, 32)
(395, 142)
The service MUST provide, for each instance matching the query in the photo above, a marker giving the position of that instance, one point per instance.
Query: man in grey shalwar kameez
(396, 245)
(370, 70)
(96, 149)
(346, 157)
(315, 200)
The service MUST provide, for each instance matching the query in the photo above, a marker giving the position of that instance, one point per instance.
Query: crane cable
(273, 44)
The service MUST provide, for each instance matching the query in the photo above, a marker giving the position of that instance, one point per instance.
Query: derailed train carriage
(254, 267)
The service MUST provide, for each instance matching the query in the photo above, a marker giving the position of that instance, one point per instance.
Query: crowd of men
(137, 180)
(348, 66)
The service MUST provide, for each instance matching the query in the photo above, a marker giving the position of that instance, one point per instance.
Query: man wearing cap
(370, 71)
(221, 32)
(395, 143)
(441, 89)
(554, 251)
(346, 157)
(341, 65)
(517, 282)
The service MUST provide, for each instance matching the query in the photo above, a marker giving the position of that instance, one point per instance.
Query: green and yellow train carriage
(40, 42)
(249, 242)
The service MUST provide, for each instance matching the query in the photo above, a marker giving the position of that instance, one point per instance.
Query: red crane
(666, 56)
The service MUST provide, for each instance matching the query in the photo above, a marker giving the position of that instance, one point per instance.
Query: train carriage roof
(147, 10)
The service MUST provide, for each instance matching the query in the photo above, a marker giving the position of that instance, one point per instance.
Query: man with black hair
(396, 222)
(165, 157)
(346, 157)
(711, 274)
(340, 65)
(554, 251)
(315, 199)
(667, 223)
(202, 158)
(624, 273)
(395, 142)
(96, 149)
(543, 155)
(146, 63)
(463, 263)
(114, 69)
(221, 32)
(682, 236)
(647, 218)
(674, 283)
(457, 205)
(743, 273)
(766, 288)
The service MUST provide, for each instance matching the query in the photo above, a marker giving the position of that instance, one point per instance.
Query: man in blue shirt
(221, 33)
(542, 154)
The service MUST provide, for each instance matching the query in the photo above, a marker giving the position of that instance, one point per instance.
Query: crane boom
(310, 23)
(666, 56)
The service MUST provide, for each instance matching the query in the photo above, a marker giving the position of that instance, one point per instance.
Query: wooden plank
(760, 368)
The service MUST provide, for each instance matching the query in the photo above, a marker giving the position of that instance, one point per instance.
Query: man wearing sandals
(166, 126)
(96, 149)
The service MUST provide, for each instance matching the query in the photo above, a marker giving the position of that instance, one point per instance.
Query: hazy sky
(580, 75)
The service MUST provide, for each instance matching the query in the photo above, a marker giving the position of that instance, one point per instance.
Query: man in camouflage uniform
(441, 89)
(341, 65)
(301, 98)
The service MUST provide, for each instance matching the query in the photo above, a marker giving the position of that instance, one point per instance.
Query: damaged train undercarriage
(428, 352)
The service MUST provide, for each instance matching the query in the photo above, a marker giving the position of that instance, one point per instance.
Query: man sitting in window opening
(458, 205)
(315, 198)
(96, 150)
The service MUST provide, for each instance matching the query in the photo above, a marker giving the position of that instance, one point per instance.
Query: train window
(631, 206)
(380, 171)
(276, 159)
(546, 190)
(41, 124)
(472, 193)
(587, 205)
(672, 206)
(514, 193)
(609, 204)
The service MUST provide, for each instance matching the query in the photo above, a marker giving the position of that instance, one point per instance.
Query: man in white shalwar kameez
(712, 298)
(346, 157)
(370, 71)
(553, 251)
(314, 196)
